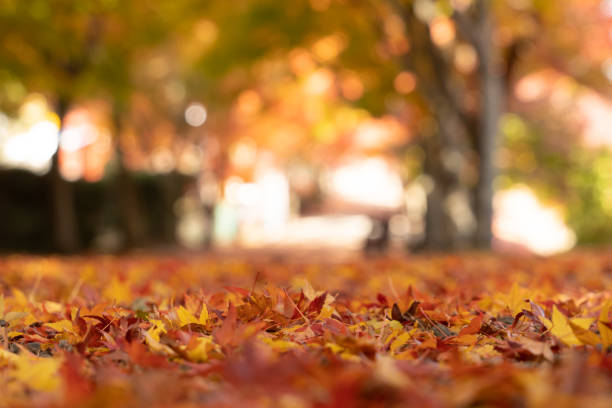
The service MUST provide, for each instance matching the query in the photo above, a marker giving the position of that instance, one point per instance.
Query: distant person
(378, 239)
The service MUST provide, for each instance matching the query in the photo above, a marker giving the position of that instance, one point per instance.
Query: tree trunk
(170, 191)
(134, 224)
(461, 133)
(448, 145)
(130, 208)
(65, 228)
(439, 231)
(490, 110)
(436, 234)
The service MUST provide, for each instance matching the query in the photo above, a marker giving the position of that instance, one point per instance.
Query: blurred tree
(561, 94)
(49, 47)
(77, 51)
(460, 133)
(386, 46)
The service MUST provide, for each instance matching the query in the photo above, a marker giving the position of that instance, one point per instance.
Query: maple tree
(73, 53)
(447, 69)
(434, 331)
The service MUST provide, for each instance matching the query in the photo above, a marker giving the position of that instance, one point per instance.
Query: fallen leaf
(40, 374)
(473, 327)
(61, 325)
(185, 317)
(603, 325)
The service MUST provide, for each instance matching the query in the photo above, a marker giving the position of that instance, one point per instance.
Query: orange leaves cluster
(268, 331)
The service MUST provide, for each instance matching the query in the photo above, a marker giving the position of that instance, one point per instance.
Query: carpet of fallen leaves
(285, 331)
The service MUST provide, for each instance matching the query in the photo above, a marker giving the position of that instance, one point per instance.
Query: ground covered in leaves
(283, 331)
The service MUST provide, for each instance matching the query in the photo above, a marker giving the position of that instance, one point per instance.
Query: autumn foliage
(469, 330)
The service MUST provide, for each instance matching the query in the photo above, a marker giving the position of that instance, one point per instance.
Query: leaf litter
(455, 330)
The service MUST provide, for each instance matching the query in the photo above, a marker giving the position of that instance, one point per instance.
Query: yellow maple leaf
(604, 331)
(199, 353)
(157, 329)
(185, 317)
(336, 349)
(12, 334)
(8, 356)
(203, 315)
(280, 345)
(327, 310)
(40, 374)
(303, 285)
(13, 317)
(582, 322)
(326, 313)
(345, 355)
(395, 325)
(158, 347)
(19, 298)
(117, 291)
(584, 335)
(399, 341)
(546, 322)
(164, 305)
(562, 329)
(515, 300)
(485, 303)
(62, 325)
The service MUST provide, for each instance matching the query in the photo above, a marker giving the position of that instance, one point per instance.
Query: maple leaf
(515, 300)
(316, 304)
(12, 317)
(464, 339)
(7, 356)
(117, 291)
(399, 341)
(158, 347)
(382, 299)
(203, 318)
(20, 299)
(326, 312)
(224, 335)
(38, 373)
(61, 325)
(306, 288)
(157, 329)
(141, 355)
(77, 386)
(584, 335)
(604, 325)
(185, 317)
(473, 327)
(280, 346)
(565, 329)
(396, 313)
(199, 348)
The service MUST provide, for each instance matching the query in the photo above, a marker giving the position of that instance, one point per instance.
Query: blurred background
(352, 124)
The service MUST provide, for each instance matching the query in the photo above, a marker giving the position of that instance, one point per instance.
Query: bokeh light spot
(196, 114)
